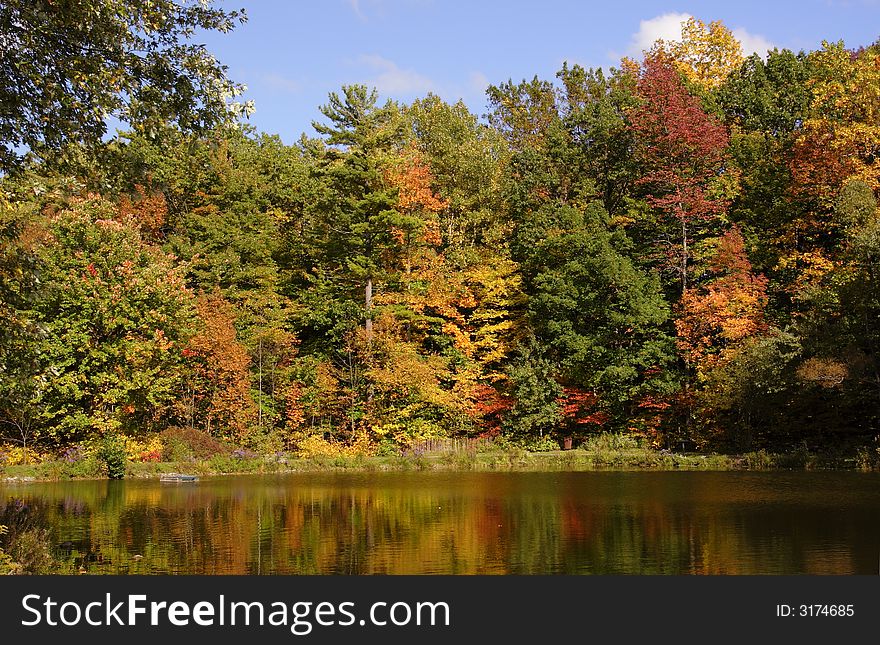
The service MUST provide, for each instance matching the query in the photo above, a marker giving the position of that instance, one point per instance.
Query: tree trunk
(408, 285)
(368, 305)
(684, 255)
(260, 395)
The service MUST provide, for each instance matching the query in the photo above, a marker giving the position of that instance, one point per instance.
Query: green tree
(67, 65)
(360, 212)
(116, 315)
(600, 318)
(523, 112)
(748, 400)
(536, 410)
(770, 96)
(467, 161)
(595, 114)
(765, 103)
(20, 379)
(234, 204)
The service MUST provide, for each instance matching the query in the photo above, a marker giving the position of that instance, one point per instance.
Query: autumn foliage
(148, 209)
(717, 316)
(683, 150)
(705, 54)
(221, 400)
(686, 249)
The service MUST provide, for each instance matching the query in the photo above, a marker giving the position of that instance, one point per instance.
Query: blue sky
(291, 54)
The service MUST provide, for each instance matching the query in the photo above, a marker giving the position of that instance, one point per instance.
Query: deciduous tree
(115, 315)
(66, 66)
(718, 315)
(218, 393)
(705, 54)
(683, 151)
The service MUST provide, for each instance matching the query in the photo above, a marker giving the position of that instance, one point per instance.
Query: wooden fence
(448, 445)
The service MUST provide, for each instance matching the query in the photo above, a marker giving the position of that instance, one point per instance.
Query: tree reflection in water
(459, 523)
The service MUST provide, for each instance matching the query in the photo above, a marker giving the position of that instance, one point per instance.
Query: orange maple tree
(716, 317)
(416, 228)
(221, 374)
(148, 209)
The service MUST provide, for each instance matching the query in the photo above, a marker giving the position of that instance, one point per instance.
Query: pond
(461, 523)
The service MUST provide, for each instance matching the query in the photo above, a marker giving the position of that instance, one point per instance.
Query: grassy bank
(603, 453)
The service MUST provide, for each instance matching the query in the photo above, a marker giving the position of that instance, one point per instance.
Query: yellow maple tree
(845, 120)
(705, 54)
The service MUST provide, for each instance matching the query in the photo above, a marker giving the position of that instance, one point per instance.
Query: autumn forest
(684, 248)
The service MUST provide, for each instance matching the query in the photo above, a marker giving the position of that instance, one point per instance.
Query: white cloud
(753, 43)
(391, 79)
(665, 27)
(356, 7)
(668, 27)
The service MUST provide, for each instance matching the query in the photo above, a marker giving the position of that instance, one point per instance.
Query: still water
(462, 523)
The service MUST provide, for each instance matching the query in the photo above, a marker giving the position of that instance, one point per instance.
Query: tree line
(683, 248)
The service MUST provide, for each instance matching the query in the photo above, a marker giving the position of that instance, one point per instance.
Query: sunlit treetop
(705, 54)
(68, 65)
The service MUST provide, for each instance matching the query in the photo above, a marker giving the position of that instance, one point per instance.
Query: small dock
(178, 477)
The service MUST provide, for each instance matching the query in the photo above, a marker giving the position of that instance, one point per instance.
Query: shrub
(460, 460)
(517, 458)
(243, 453)
(145, 449)
(183, 444)
(72, 454)
(387, 448)
(16, 455)
(112, 453)
(7, 564)
(608, 441)
(759, 460)
(234, 464)
(87, 467)
(29, 551)
(316, 446)
(868, 458)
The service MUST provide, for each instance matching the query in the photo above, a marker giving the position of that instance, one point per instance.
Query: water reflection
(462, 523)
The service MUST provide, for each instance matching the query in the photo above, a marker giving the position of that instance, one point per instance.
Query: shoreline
(510, 460)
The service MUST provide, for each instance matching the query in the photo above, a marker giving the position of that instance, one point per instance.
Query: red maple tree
(682, 148)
